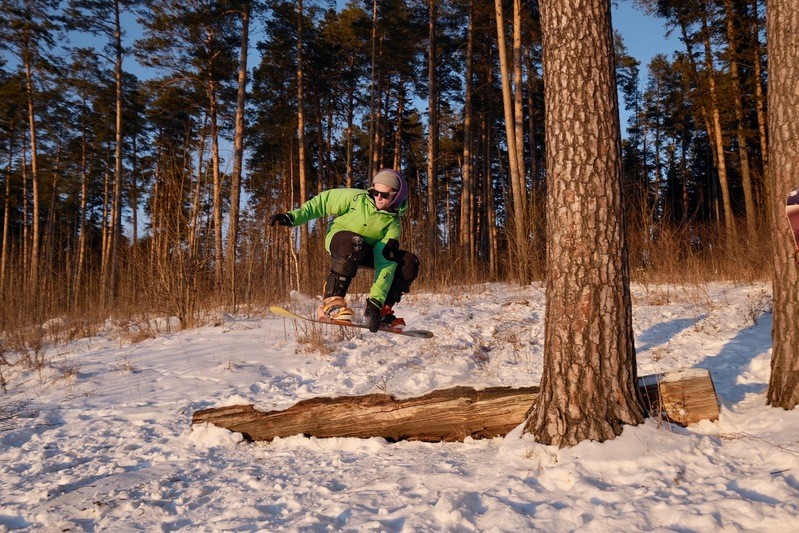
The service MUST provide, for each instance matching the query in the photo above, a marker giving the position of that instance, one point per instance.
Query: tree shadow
(663, 332)
(734, 359)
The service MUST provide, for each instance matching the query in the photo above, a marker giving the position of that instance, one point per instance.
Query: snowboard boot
(335, 308)
(389, 319)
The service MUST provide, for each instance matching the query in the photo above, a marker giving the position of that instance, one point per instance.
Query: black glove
(372, 314)
(284, 219)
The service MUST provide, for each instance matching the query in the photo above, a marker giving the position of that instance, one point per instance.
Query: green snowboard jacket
(356, 211)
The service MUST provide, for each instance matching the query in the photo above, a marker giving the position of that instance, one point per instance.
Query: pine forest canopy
(151, 193)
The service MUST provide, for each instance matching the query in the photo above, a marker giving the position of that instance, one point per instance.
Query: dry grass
(180, 290)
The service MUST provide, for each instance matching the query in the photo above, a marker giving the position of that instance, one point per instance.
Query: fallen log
(447, 415)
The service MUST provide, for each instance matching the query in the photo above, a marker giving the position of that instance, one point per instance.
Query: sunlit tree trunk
(518, 196)
(350, 126)
(33, 264)
(82, 224)
(518, 109)
(531, 116)
(588, 388)
(718, 136)
(197, 193)
(238, 151)
(760, 104)
(490, 205)
(467, 229)
(6, 212)
(110, 256)
(213, 115)
(303, 180)
(397, 164)
(373, 95)
(782, 27)
(737, 95)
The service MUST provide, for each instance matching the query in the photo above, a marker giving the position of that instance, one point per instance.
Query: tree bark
(588, 385)
(782, 27)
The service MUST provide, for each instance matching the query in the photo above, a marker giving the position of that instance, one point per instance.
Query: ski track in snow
(100, 440)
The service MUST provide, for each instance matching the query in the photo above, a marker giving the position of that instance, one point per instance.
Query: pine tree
(588, 388)
(782, 23)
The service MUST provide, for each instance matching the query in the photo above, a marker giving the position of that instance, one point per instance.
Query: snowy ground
(101, 440)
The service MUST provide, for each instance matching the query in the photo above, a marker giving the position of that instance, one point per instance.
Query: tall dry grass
(181, 287)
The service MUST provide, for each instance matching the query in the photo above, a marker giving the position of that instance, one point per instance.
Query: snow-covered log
(447, 415)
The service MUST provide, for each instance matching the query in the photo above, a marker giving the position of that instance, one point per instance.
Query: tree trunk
(518, 200)
(197, 193)
(518, 112)
(217, 185)
(303, 180)
(116, 211)
(372, 94)
(113, 221)
(743, 144)
(782, 27)
(350, 124)
(77, 278)
(705, 115)
(432, 132)
(531, 117)
(588, 385)
(33, 265)
(467, 229)
(397, 164)
(6, 211)
(490, 209)
(760, 106)
(718, 136)
(238, 153)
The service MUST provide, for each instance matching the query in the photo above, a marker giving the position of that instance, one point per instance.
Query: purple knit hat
(392, 178)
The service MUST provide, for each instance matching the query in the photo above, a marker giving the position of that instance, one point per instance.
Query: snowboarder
(364, 233)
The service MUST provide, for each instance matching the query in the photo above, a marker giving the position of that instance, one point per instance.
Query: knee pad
(343, 267)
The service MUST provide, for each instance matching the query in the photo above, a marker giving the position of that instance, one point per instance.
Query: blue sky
(644, 35)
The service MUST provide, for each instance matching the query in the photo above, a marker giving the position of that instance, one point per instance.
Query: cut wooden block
(683, 397)
(447, 415)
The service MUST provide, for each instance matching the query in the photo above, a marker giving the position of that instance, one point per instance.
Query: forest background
(117, 200)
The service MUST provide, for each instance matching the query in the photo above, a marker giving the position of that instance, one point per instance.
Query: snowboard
(792, 210)
(418, 333)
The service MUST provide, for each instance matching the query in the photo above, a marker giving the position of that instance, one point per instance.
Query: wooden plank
(447, 415)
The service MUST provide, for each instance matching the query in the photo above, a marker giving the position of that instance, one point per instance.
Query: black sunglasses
(374, 193)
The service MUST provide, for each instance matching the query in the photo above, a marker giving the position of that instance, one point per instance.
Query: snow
(100, 439)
